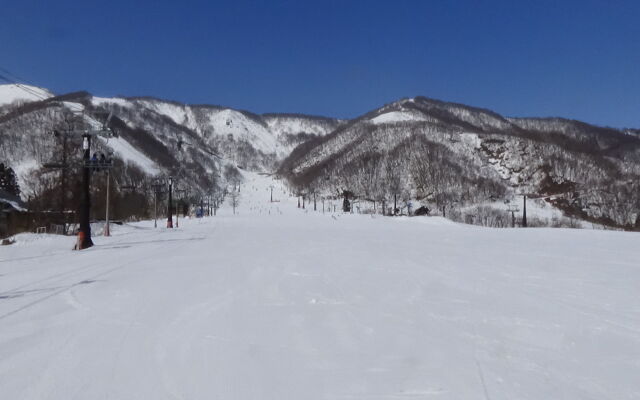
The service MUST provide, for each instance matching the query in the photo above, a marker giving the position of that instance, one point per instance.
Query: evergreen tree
(8, 180)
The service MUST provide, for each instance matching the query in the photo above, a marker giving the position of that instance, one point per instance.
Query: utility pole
(158, 185)
(169, 206)
(314, 201)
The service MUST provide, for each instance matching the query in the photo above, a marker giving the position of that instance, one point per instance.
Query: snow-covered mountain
(14, 93)
(269, 134)
(153, 136)
(436, 153)
(231, 132)
(455, 156)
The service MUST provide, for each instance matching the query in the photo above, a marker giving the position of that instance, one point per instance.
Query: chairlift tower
(84, 233)
(158, 186)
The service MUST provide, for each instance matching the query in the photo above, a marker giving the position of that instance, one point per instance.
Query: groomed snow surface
(281, 303)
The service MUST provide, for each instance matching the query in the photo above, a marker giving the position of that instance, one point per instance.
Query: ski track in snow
(282, 303)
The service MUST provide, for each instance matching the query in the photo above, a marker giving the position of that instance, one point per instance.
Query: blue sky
(575, 59)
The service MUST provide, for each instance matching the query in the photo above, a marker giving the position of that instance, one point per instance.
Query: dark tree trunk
(395, 204)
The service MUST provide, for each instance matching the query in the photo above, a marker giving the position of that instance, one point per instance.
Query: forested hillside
(444, 156)
(460, 157)
(152, 138)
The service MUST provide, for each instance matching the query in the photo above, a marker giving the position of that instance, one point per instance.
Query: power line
(28, 87)
(16, 77)
(16, 82)
(25, 88)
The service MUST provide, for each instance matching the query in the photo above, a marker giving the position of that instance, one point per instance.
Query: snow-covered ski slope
(26, 93)
(281, 303)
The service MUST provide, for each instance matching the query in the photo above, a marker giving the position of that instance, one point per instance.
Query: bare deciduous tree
(234, 199)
